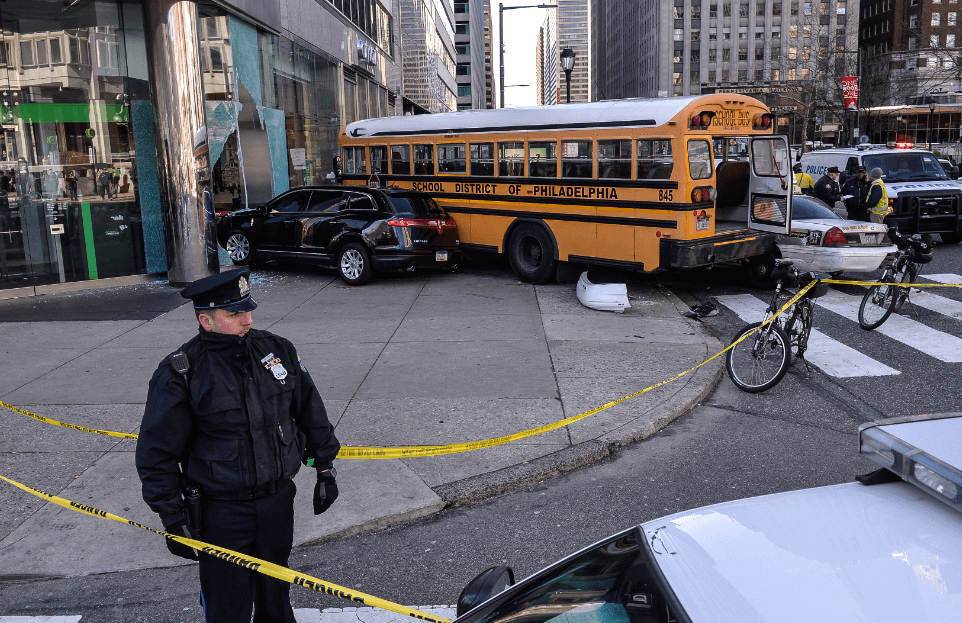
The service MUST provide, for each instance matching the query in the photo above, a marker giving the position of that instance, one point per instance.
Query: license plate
(703, 223)
(441, 256)
(871, 238)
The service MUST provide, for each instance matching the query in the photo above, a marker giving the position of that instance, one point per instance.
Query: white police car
(923, 197)
(885, 549)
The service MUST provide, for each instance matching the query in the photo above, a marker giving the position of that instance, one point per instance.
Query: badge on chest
(273, 365)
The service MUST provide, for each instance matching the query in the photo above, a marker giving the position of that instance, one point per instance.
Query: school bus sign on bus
(645, 184)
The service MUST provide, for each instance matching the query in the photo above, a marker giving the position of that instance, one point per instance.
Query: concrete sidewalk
(409, 359)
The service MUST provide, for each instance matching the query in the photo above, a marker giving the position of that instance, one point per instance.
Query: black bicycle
(760, 361)
(883, 299)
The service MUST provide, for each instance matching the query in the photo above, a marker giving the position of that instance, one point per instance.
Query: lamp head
(567, 59)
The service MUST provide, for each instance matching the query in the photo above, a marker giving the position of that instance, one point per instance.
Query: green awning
(71, 113)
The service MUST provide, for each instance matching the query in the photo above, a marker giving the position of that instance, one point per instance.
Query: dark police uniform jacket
(827, 190)
(238, 429)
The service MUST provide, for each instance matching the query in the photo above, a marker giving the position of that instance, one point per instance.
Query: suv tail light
(834, 236)
(425, 223)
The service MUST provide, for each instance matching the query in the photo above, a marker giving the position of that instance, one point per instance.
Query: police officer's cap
(230, 291)
(797, 168)
(833, 170)
(860, 169)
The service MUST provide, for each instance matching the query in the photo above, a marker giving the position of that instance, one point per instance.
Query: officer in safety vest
(805, 181)
(876, 202)
(229, 419)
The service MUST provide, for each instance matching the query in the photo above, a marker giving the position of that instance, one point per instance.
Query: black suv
(356, 229)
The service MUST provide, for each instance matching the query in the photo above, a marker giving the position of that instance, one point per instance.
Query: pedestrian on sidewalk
(231, 416)
(103, 180)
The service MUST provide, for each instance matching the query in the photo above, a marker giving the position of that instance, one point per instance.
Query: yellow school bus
(643, 183)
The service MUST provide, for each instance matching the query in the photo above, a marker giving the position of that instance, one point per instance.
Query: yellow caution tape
(47, 420)
(893, 283)
(398, 452)
(244, 560)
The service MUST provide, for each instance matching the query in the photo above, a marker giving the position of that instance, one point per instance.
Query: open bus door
(770, 188)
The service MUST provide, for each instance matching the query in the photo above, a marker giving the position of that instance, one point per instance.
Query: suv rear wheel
(354, 264)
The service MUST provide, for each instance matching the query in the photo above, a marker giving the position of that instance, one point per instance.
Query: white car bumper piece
(603, 296)
(833, 259)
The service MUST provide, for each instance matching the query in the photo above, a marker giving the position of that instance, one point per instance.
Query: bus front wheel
(531, 253)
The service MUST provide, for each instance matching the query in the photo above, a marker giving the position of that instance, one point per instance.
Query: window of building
(776, 9)
(743, 32)
(806, 31)
(794, 8)
(725, 75)
(759, 54)
(694, 78)
(461, 7)
(576, 159)
(936, 19)
(695, 35)
(511, 159)
(792, 53)
(726, 33)
(464, 90)
(463, 69)
(806, 52)
(951, 19)
(542, 159)
(913, 21)
(461, 29)
(462, 49)
(791, 73)
(840, 9)
(482, 159)
(400, 160)
(712, 55)
(713, 11)
(614, 160)
(823, 8)
(743, 9)
(950, 41)
(776, 54)
(726, 54)
(760, 9)
(424, 159)
(679, 34)
(807, 8)
(743, 75)
(726, 10)
(712, 33)
(758, 75)
(26, 54)
(743, 54)
(676, 77)
(776, 75)
(711, 75)
(806, 72)
(793, 30)
(654, 159)
(679, 12)
(760, 32)
(934, 41)
(913, 43)
(696, 11)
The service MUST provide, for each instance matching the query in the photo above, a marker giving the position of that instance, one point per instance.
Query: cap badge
(245, 288)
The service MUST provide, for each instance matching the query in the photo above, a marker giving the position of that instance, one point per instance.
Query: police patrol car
(885, 549)
(923, 197)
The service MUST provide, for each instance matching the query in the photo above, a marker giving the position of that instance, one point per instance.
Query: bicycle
(759, 362)
(883, 299)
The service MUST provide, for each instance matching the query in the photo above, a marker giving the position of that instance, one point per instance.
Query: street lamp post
(501, 10)
(898, 126)
(567, 64)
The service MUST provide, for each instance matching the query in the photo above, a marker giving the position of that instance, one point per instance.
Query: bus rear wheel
(531, 253)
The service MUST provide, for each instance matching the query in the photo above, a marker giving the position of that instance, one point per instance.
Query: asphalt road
(800, 434)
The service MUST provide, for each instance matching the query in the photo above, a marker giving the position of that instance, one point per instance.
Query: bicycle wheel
(877, 304)
(910, 274)
(798, 329)
(761, 360)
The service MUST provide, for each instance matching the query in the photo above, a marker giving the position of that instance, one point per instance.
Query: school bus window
(400, 160)
(542, 159)
(451, 158)
(482, 159)
(770, 157)
(424, 159)
(576, 159)
(614, 160)
(699, 160)
(379, 159)
(655, 161)
(511, 159)
(354, 161)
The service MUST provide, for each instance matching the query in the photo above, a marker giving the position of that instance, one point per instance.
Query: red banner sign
(850, 92)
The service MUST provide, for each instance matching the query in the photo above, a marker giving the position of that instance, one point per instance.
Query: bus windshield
(906, 166)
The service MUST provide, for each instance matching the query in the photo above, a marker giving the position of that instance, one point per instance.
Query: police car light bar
(922, 450)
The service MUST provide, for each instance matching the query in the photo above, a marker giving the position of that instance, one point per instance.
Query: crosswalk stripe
(366, 615)
(927, 340)
(40, 619)
(940, 304)
(949, 278)
(831, 356)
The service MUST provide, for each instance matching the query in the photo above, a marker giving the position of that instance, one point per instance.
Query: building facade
(428, 53)
(910, 50)
(473, 50)
(246, 98)
(564, 27)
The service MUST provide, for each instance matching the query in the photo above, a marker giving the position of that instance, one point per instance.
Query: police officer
(232, 415)
(826, 188)
(804, 180)
(856, 187)
(876, 203)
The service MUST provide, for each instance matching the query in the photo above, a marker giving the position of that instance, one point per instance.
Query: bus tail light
(701, 120)
(762, 122)
(834, 236)
(703, 193)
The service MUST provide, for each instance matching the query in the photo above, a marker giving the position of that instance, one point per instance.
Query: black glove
(179, 549)
(325, 492)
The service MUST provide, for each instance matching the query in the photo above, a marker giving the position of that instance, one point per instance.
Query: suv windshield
(906, 166)
(411, 203)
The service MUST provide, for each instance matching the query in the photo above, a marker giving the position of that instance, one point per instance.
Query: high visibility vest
(882, 207)
(804, 180)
